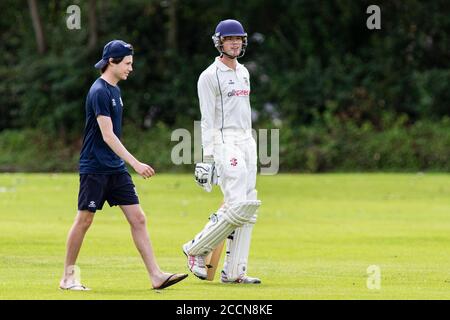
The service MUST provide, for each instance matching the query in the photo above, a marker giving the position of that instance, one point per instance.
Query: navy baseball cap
(114, 49)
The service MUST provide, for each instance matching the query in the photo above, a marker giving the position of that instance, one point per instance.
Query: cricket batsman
(229, 158)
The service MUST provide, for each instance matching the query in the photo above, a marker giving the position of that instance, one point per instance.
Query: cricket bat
(212, 261)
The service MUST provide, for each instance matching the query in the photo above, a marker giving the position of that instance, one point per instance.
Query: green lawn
(315, 238)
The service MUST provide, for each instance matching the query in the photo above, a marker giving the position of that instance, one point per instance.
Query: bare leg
(138, 224)
(75, 238)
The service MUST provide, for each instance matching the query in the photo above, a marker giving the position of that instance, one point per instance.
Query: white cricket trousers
(236, 163)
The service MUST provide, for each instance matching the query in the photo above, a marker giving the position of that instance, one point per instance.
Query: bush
(32, 151)
(344, 146)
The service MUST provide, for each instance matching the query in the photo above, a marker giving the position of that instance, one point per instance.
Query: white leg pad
(218, 228)
(238, 248)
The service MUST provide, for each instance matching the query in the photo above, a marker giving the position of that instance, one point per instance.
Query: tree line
(317, 73)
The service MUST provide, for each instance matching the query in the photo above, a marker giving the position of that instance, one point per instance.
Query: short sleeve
(101, 103)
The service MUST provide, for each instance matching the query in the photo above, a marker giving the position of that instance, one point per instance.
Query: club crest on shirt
(246, 81)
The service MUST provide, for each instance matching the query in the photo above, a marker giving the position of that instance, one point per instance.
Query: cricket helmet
(229, 28)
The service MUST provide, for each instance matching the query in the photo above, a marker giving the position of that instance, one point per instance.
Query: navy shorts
(95, 189)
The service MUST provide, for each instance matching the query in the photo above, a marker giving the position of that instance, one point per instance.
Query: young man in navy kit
(103, 175)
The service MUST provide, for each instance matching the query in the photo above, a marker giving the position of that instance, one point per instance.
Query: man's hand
(144, 170)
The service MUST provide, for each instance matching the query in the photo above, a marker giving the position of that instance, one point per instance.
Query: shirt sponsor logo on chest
(238, 93)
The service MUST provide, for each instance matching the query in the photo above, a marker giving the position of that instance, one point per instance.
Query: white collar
(223, 67)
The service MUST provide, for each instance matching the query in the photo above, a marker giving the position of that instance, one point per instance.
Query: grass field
(315, 238)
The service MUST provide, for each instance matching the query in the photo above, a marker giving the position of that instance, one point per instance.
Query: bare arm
(114, 143)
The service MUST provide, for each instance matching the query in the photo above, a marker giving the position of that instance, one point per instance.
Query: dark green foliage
(344, 97)
(328, 147)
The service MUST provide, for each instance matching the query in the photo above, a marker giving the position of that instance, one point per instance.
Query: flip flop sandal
(171, 280)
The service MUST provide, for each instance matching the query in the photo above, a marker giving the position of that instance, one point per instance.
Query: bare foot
(164, 279)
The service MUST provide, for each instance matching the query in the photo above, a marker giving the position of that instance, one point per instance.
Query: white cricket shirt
(224, 96)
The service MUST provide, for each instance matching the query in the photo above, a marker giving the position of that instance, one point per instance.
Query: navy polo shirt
(96, 156)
